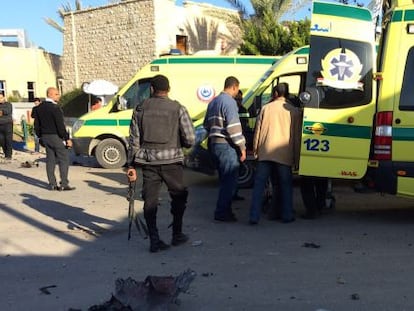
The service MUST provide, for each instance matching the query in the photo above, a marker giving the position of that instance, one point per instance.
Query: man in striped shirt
(226, 144)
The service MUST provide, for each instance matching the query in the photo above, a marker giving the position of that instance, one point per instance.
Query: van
(194, 81)
(292, 69)
(359, 120)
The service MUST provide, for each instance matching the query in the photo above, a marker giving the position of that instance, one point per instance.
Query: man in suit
(50, 128)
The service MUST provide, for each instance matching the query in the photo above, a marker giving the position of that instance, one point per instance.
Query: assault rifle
(132, 215)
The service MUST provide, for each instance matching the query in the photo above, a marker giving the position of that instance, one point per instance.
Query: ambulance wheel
(110, 153)
(246, 174)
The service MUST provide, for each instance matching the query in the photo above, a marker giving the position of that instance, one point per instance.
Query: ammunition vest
(159, 123)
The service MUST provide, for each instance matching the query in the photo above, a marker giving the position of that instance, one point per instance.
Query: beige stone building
(112, 42)
(26, 72)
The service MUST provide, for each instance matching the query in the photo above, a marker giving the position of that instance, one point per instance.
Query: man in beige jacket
(276, 146)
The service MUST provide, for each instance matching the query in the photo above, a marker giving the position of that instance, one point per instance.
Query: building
(26, 71)
(112, 42)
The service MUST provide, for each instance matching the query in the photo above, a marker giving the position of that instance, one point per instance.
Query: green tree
(264, 34)
(267, 37)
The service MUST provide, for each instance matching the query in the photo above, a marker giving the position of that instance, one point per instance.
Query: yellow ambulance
(359, 119)
(194, 81)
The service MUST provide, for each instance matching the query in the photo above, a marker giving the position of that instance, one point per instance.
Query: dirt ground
(63, 250)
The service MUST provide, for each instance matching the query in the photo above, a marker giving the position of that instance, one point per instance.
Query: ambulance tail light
(383, 136)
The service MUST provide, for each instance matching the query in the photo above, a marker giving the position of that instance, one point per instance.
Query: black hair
(160, 83)
(231, 81)
(282, 89)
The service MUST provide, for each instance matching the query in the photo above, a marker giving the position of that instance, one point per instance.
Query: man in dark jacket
(6, 127)
(50, 128)
(159, 129)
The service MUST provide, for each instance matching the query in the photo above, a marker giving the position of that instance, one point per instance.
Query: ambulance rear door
(339, 101)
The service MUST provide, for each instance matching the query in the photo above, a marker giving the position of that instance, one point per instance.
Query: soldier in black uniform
(159, 129)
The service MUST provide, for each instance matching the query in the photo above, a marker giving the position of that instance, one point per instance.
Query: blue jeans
(262, 174)
(227, 163)
(284, 190)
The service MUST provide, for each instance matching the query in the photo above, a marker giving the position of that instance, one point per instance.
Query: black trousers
(6, 139)
(56, 153)
(153, 178)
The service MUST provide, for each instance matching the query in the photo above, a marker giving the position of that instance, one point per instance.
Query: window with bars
(3, 87)
(31, 91)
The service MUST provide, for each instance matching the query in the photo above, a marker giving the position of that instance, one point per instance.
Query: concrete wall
(22, 65)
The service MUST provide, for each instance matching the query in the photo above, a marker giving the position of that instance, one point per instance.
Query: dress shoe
(53, 187)
(286, 221)
(66, 188)
(253, 222)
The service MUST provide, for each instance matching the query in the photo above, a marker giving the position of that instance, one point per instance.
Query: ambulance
(194, 81)
(359, 108)
(292, 69)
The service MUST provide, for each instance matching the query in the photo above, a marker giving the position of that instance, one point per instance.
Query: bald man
(50, 127)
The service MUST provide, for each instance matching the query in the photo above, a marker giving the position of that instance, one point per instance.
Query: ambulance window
(137, 93)
(407, 90)
(296, 85)
(340, 73)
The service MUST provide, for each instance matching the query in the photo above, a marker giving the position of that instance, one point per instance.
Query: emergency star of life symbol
(341, 69)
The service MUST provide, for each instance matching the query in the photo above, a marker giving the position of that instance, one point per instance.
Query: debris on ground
(311, 245)
(45, 289)
(154, 293)
(355, 296)
(28, 164)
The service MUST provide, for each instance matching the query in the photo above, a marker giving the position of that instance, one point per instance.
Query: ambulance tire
(110, 153)
(246, 174)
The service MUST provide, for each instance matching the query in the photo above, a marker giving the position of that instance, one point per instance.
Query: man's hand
(243, 155)
(132, 174)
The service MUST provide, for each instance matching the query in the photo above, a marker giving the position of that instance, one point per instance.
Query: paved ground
(77, 242)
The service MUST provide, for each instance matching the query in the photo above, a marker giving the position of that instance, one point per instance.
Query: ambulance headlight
(77, 125)
(305, 98)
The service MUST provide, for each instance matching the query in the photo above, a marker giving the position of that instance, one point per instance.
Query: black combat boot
(155, 243)
(178, 237)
